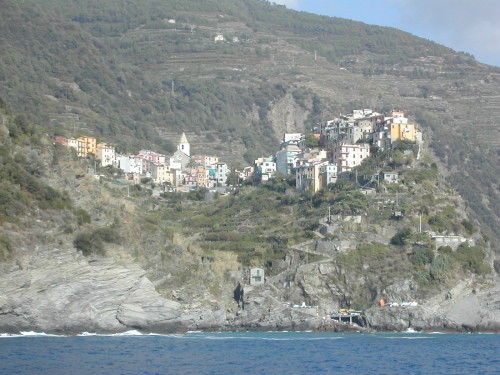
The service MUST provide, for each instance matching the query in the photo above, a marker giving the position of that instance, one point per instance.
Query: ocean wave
(88, 334)
(132, 332)
(33, 333)
(28, 334)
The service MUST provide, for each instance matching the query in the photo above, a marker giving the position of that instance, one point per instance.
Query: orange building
(86, 146)
(403, 132)
(201, 177)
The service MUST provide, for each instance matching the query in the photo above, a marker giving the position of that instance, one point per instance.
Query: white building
(267, 170)
(328, 174)
(293, 137)
(129, 164)
(349, 156)
(221, 173)
(73, 143)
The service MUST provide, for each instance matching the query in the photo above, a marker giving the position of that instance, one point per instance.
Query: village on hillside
(337, 147)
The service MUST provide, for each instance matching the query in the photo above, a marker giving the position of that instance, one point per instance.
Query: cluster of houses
(180, 170)
(344, 143)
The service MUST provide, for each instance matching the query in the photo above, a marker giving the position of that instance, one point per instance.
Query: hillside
(106, 255)
(128, 75)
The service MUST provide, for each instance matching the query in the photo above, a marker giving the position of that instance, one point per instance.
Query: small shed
(256, 276)
(219, 38)
(391, 177)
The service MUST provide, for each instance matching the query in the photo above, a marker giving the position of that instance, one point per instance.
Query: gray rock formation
(461, 309)
(58, 290)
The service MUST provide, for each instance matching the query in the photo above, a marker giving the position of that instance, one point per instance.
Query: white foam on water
(132, 332)
(33, 333)
(88, 334)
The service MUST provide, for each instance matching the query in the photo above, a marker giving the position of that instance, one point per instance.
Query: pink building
(206, 161)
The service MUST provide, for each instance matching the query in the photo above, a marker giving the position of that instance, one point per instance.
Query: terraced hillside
(125, 73)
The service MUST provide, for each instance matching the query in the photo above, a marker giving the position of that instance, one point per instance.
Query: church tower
(184, 145)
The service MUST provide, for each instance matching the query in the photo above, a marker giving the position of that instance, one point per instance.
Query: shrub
(469, 227)
(91, 243)
(88, 244)
(472, 259)
(6, 248)
(109, 235)
(422, 256)
(402, 237)
(441, 267)
(445, 250)
(82, 216)
(438, 223)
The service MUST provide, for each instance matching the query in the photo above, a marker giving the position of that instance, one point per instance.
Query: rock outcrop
(58, 290)
(470, 310)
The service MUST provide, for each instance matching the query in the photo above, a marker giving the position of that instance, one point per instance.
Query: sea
(251, 353)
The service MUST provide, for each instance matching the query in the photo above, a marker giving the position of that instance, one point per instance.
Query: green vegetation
(402, 237)
(472, 259)
(6, 248)
(20, 170)
(118, 70)
(254, 223)
(92, 242)
(82, 216)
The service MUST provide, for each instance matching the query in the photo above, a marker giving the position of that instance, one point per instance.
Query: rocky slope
(57, 290)
(156, 282)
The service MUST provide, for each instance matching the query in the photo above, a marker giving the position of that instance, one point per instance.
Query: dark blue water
(253, 353)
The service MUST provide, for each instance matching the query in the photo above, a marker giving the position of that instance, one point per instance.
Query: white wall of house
(221, 173)
(129, 164)
(349, 156)
(329, 174)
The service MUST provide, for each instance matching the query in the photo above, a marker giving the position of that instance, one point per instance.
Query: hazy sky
(472, 26)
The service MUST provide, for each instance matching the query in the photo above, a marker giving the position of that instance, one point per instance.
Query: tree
(233, 179)
(311, 141)
(402, 237)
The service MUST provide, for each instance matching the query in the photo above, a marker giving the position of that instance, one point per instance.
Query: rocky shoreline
(59, 291)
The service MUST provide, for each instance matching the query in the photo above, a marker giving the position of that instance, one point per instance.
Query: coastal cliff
(88, 252)
(59, 291)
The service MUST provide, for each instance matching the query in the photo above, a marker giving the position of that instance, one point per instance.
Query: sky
(471, 26)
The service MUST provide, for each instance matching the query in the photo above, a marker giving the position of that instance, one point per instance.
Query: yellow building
(309, 177)
(201, 177)
(406, 132)
(86, 146)
(163, 173)
(106, 154)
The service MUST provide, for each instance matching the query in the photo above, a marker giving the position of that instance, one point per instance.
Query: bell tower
(184, 145)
